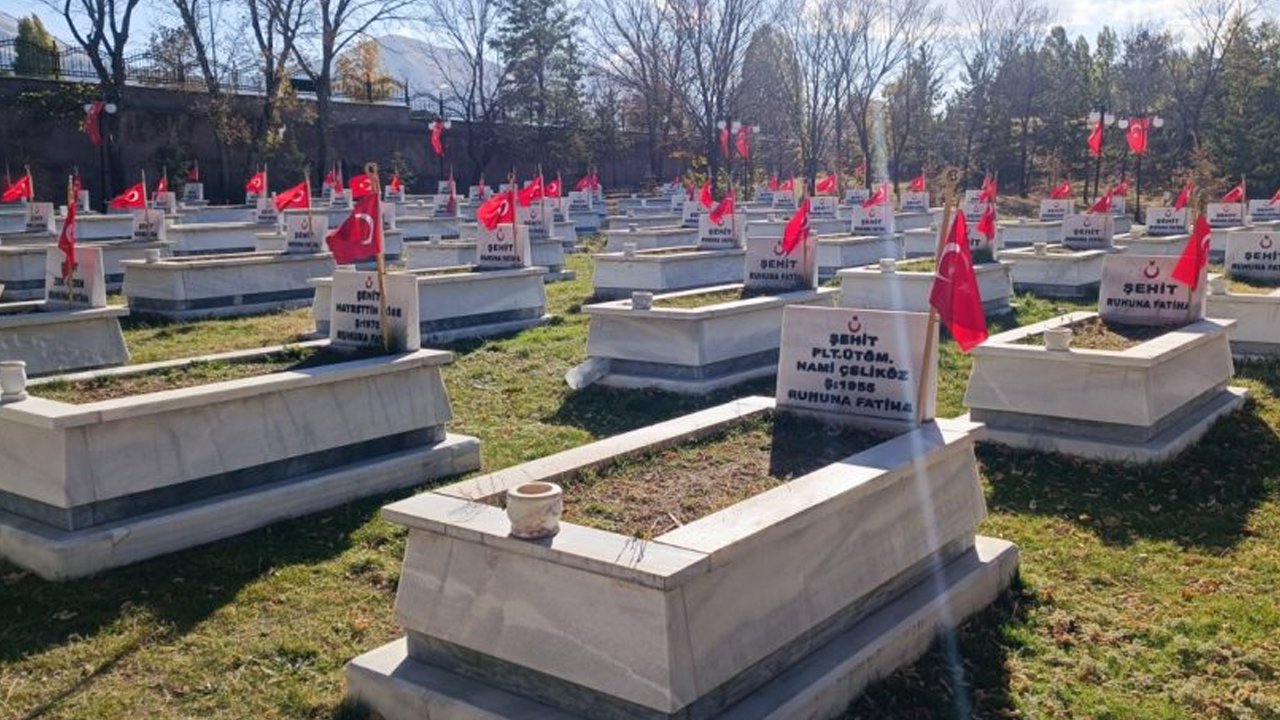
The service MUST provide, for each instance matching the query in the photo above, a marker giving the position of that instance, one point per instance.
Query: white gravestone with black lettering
(915, 202)
(1165, 221)
(538, 217)
(82, 201)
(39, 217)
(88, 285)
(823, 207)
(477, 193)
(388, 211)
(1261, 211)
(193, 192)
(1054, 210)
(855, 363)
(770, 267)
(1117, 205)
(326, 192)
(340, 200)
(442, 187)
(265, 212)
(874, 220)
(355, 315)
(579, 201)
(394, 195)
(300, 233)
(690, 213)
(764, 195)
(148, 225)
(856, 196)
(972, 205)
(1254, 256)
(1088, 231)
(251, 198)
(727, 234)
(504, 247)
(784, 200)
(165, 201)
(1224, 215)
(1140, 290)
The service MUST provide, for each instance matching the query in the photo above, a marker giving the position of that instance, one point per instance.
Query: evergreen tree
(543, 78)
(35, 50)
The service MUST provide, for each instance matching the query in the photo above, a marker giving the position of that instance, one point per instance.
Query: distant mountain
(424, 66)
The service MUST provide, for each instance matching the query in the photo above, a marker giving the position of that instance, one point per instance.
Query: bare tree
(715, 33)
(276, 25)
(469, 67)
(910, 101)
(820, 34)
(1214, 26)
(328, 27)
(635, 44)
(101, 28)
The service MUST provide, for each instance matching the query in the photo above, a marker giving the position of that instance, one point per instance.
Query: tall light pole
(734, 127)
(1107, 120)
(1150, 121)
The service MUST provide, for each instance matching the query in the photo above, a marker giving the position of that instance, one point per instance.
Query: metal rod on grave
(371, 172)
(931, 327)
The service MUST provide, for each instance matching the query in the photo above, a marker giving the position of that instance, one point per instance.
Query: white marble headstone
(148, 225)
(88, 285)
(442, 187)
(165, 201)
(1164, 221)
(1254, 256)
(769, 268)
(784, 200)
(537, 217)
(579, 201)
(82, 201)
(854, 363)
(340, 201)
(1140, 290)
(326, 192)
(1055, 210)
(505, 246)
(875, 220)
(691, 210)
(856, 196)
(394, 195)
(39, 217)
(1224, 215)
(251, 198)
(727, 234)
(1088, 231)
(474, 193)
(1117, 205)
(1263, 211)
(266, 211)
(300, 235)
(354, 320)
(823, 207)
(972, 206)
(388, 211)
(194, 192)
(915, 202)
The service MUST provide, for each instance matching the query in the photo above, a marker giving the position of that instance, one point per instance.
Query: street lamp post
(109, 108)
(734, 127)
(1151, 121)
(1107, 120)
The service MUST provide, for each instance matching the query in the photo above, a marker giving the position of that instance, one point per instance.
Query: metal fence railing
(143, 69)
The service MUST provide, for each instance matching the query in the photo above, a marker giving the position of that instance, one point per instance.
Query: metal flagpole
(949, 180)
(371, 171)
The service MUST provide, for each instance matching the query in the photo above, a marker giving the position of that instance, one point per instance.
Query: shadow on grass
(178, 590)
(963, 675)
(1201, 499)
(1266, 372)
(604, 411)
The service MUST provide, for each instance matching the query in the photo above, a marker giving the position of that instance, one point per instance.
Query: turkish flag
(1137, 136)
(797, 230)
(989, 190)
(1062, 191)
(827, 185)
(1103, 205)
(955, 289)
(879, 197)
(132, 198)
(298, 196)
(918, 184)
(333, 180)
(1184, 197)
(584, 183)
(552, 189)
(704, 196)
(67, 238)
(861, 170)
(163, 185)
(773, 181)
(787, 185)
(530, 192)
(257, 184)
(724, 142)
(1120, 190)
(437, 137)
(20, 190)
(722, 209)
(395, 182)
(1194, 257)
(1235, 194)
(987, 223)
(193, 172)
(1274, 198)
(93, 122)
(361, 185)
(359, 237)
(1095, 140)
(744, 141)
(496, 210)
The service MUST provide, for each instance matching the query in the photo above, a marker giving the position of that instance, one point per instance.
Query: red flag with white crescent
(132, 198)
(298, 196)
(67, 238)
(257, 184)
(358, 237)
(797, 229)
(955, 289)
(19, 190)
(496, 210)
(1195, 255)
(1062, 191)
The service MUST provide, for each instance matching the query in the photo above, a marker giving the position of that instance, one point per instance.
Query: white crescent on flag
(367, 220)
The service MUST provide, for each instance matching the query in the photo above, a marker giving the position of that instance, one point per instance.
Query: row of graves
(855, 545)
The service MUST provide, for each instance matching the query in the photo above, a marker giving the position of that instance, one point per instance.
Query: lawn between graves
(1147, 592)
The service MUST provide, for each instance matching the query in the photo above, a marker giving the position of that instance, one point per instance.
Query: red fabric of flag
(361, 185)
(584, 183)
(797, 230)
(1274, 198)
(1195, 256)
(496, 210)
(918, 183)
(1121, 189)
(879, 197)
(163, 185)
(298, 196)
(744, 141)
(827, 185)
(552, 189)
(1235, 194)
(989, 190)
(704, 196)
(193, 173)
(67, 238)
(20, 190)
(530, 192)
(773, 181)
(358, 238)
(1103, 204)
(132, 198)
(395, 182)
(257, 184)
(93, 122)
(1137, 135)
(437, 137)
(1062, 191)
(1095, 140)
(722, 209)
(1184, 197)
(955, 289)
(987, 223)
(787, 185)
(724, 142)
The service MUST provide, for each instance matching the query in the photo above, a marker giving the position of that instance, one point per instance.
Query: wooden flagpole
(31, 185)
(144, 192)
(949, 180)
(371, 171)
(311, 221)
(69, 274)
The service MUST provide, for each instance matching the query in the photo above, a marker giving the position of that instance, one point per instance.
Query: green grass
(1146, 593)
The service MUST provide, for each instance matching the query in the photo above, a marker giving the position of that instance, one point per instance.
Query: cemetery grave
(905, 285)
(716, 258)
(1249, 293)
